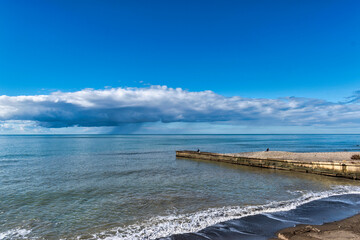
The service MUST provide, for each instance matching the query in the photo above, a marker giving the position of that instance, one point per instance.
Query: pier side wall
(335, 169)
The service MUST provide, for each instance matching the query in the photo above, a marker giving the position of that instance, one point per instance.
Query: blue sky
(251, 49)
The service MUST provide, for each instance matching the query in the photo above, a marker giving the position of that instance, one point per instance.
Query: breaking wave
(164, 226)
(17, 233)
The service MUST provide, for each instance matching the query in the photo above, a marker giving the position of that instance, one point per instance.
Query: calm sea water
(133, 187)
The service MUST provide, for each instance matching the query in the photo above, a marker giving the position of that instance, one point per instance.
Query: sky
(244, 66)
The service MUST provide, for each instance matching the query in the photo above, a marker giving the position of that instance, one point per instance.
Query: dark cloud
(124, 106)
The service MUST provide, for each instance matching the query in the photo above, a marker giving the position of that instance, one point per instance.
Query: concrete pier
(336, 164)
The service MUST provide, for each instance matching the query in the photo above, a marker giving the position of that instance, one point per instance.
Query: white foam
(163, 226)
(17, 233)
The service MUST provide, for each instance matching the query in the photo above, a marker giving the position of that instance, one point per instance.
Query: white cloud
(112, 107)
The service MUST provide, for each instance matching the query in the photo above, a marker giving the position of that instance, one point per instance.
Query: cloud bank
(122, 106)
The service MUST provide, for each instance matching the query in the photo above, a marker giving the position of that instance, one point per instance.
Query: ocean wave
(17, 233)
(164, 226)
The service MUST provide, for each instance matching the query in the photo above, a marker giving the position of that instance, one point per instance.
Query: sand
(345, 229)
(308, 156)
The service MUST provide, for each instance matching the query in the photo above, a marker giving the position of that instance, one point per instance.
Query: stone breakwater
(336, 164)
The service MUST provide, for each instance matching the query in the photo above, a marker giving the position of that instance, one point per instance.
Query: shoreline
(318, 217)
(348, 228)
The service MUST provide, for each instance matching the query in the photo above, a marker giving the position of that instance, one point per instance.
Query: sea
(133, 187)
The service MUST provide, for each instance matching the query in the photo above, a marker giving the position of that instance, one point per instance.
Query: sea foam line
(17, 233)
(163, 226)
